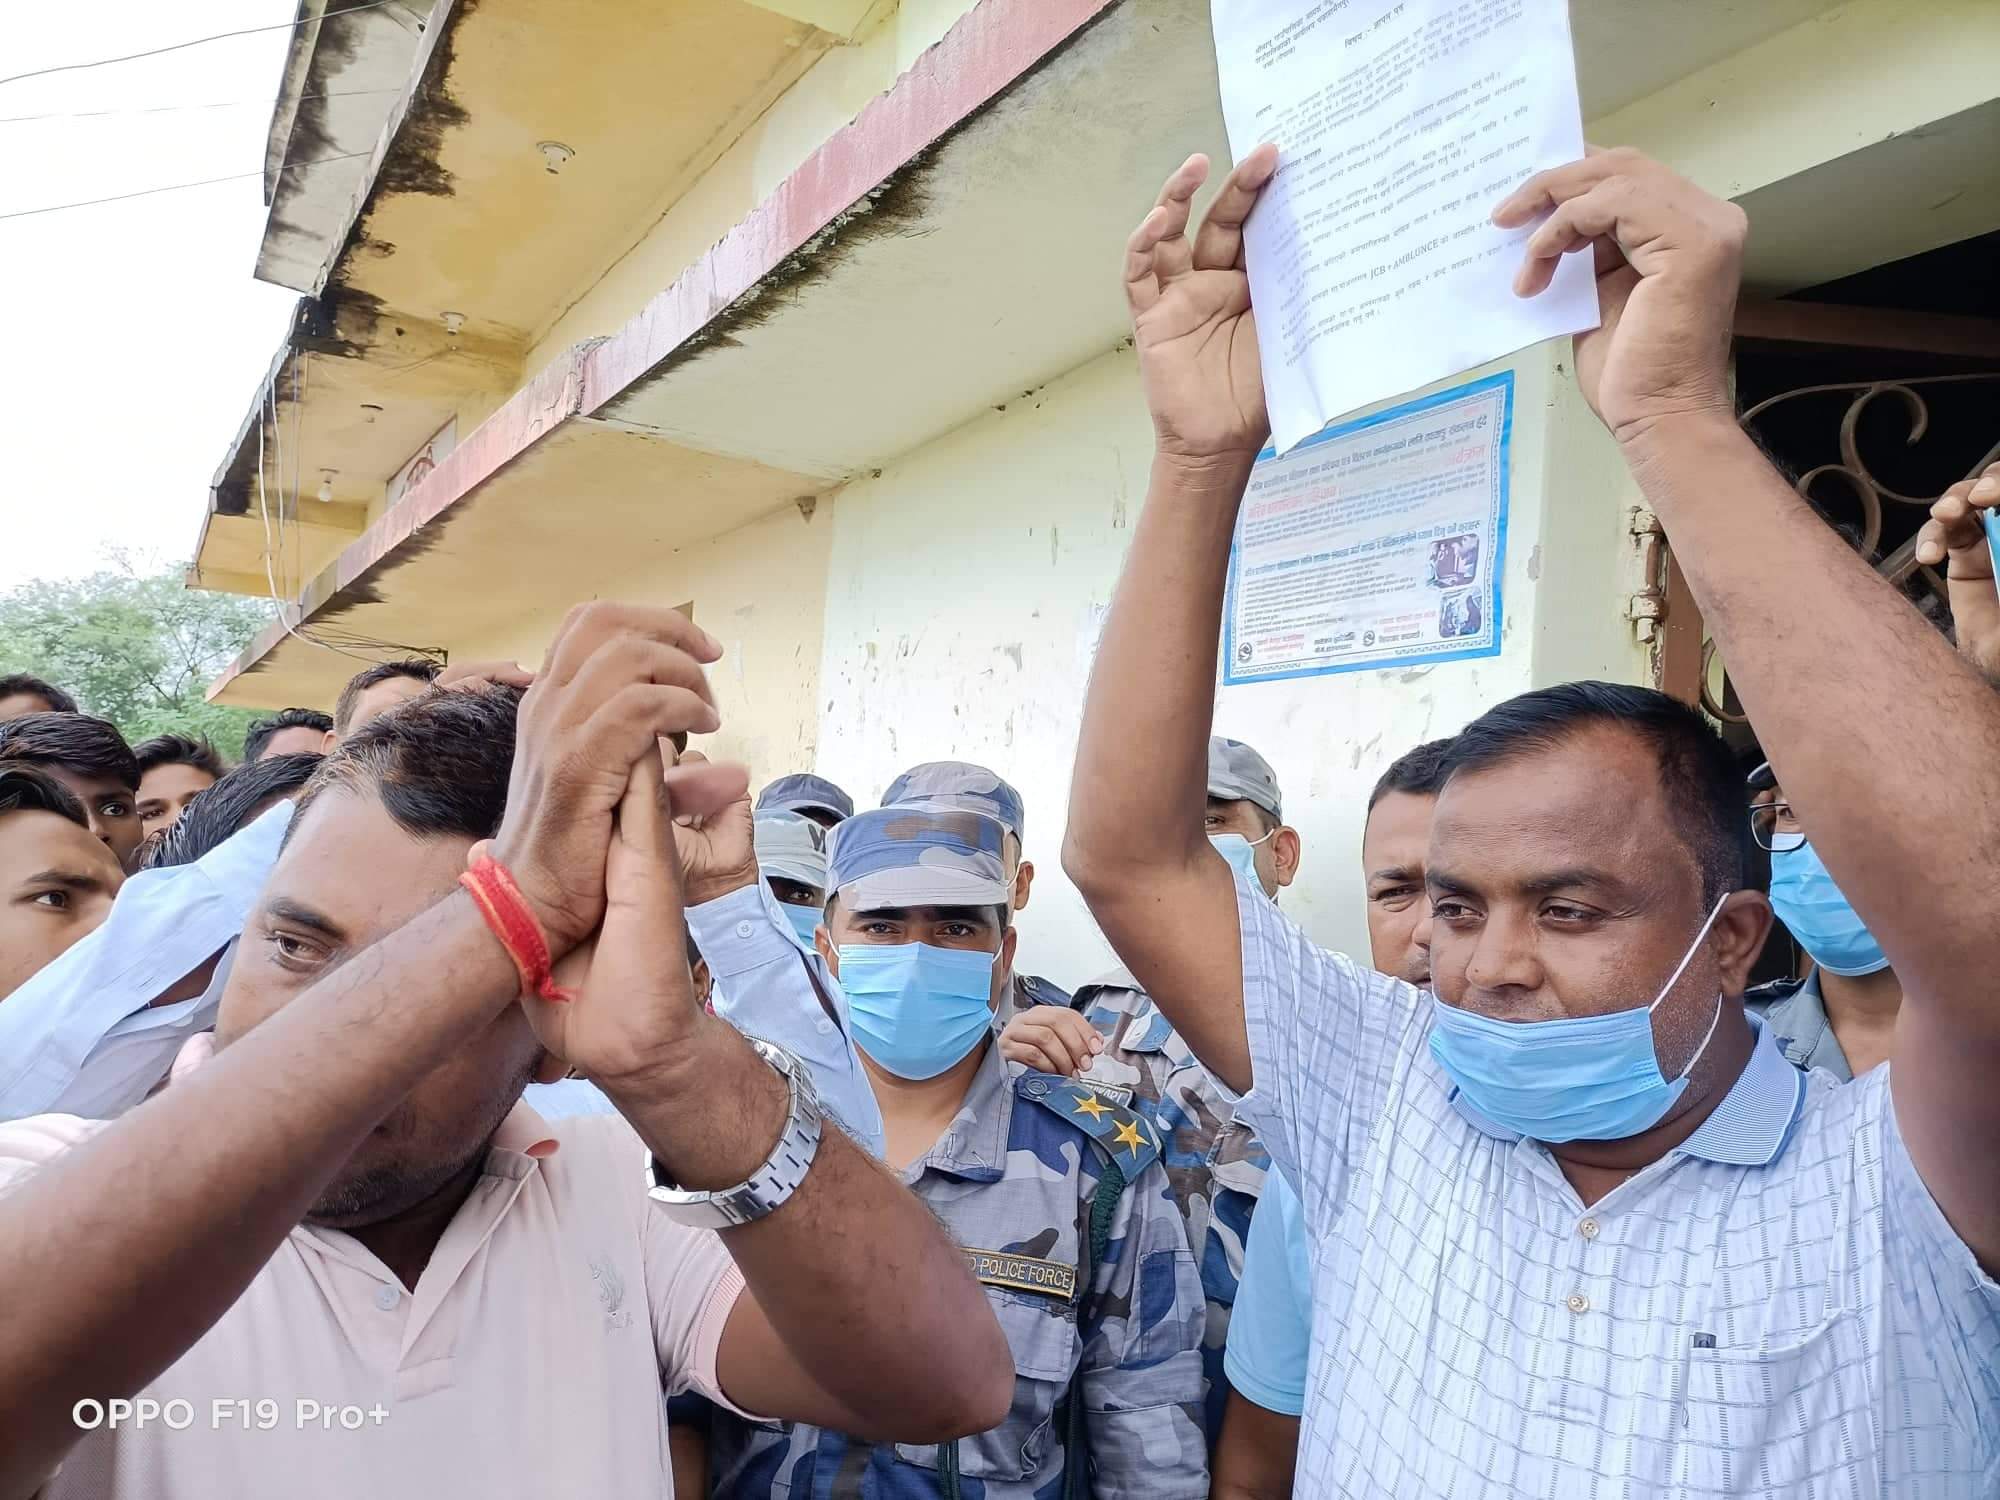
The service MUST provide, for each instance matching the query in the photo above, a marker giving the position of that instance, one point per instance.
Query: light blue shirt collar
(1749, 1128)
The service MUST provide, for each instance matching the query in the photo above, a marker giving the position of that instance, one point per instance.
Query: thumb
(643, 870)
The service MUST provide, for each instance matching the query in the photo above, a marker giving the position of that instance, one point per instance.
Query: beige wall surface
(968, 581)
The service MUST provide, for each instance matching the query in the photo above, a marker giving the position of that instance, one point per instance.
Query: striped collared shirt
(1775, 1309)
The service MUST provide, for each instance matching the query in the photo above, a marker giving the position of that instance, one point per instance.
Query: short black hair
(26, 788)
(76, 742)
(262, 731)
(1415, 773)
(1703, 787)
(415, 667)
(438, 765)
(228, 807)
(16, 683)
(180, 750)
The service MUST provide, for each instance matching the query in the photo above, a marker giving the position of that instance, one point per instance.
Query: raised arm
(1887, 743)
(142, 1237)
(853, 1289)
(764, 986)
(1135, 845)
(1955, 536)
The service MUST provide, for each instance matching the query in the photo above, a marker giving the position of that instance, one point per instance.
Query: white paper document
(1374, 264)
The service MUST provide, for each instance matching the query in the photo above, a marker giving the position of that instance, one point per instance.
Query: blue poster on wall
(1375, 543)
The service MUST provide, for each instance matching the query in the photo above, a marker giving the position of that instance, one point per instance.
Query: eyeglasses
(1775, 829)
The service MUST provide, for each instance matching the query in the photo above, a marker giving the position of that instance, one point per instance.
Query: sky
(133, 335)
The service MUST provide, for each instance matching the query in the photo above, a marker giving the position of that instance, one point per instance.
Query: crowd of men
(325, 1079)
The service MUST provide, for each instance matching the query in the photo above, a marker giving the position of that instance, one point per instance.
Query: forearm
(1256, 1454)
(853, 1281)
(1136, 846)
(1846, 683)
(1153, 684)
(765, 987)
(154, 1227)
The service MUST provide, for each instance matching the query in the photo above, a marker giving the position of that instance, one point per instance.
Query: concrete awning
(950, 250)
(521, 145)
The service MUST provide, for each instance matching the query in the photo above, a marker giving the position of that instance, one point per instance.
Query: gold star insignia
(1091, 1105)
(1127, 1134)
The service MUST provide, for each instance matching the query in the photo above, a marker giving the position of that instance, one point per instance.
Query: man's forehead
(33, 840)
(349, 860)
(1592, 800)
(85, 784)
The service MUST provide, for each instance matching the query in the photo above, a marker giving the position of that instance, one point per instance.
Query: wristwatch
(771, 1184)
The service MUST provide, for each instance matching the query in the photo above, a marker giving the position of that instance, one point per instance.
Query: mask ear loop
(1675, 978)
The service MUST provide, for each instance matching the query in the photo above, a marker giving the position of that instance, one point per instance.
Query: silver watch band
(772, 1183)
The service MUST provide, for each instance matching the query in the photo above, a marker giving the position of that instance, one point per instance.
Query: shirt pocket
(1041, 1334)
(1768, 1422)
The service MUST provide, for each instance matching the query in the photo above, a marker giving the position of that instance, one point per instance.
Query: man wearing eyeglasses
(1842, 1015)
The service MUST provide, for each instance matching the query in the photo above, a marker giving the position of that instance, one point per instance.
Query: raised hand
(718, 850)
(1191, 317)
(634, 1005)
(1669, 259)
(1051, 1039)
(471, 676)
(1955, 535)
(616, 678)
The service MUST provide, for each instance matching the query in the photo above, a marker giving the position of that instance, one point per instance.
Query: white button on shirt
(1777, 1309)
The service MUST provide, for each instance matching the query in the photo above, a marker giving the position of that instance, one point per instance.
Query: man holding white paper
(1579, 1229)
(1399, 123)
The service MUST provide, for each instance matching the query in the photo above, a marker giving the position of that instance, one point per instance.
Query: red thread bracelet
(506, 911)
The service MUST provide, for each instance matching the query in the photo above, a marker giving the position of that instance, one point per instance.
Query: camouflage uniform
(1215, 1163)
(804, 792)
(1103, 1321)
(1013, 1180)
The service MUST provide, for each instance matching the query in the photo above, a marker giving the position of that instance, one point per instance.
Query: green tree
(135, 646)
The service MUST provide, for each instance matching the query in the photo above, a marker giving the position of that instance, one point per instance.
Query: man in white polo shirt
(340, 1258)
(1579, 1229)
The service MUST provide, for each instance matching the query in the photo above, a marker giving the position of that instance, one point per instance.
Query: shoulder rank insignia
(1120, 1130)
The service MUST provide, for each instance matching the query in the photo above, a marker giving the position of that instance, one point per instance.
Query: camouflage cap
(791, 847)
(960, 784)
(1236, 773)
(805, 792)
(916, 855)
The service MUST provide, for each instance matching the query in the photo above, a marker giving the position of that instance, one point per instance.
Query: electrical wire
(175, 187)
(324, 637)
(175, 109)
(105, 62)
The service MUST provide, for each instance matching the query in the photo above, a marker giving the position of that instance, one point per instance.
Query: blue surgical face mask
(1242, 855)
(1580, 1078)
(1814, 911)
(916, 1009)
(804, 922)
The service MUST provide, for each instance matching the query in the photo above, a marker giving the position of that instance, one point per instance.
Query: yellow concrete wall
(965, 588)
(819, 104)
(761, 590)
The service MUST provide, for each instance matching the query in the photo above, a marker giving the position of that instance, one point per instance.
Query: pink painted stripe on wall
(990, 47)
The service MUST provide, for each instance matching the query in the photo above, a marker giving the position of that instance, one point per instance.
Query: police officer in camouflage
(960, 784)
(1215, 1163)
(1058, 1197)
